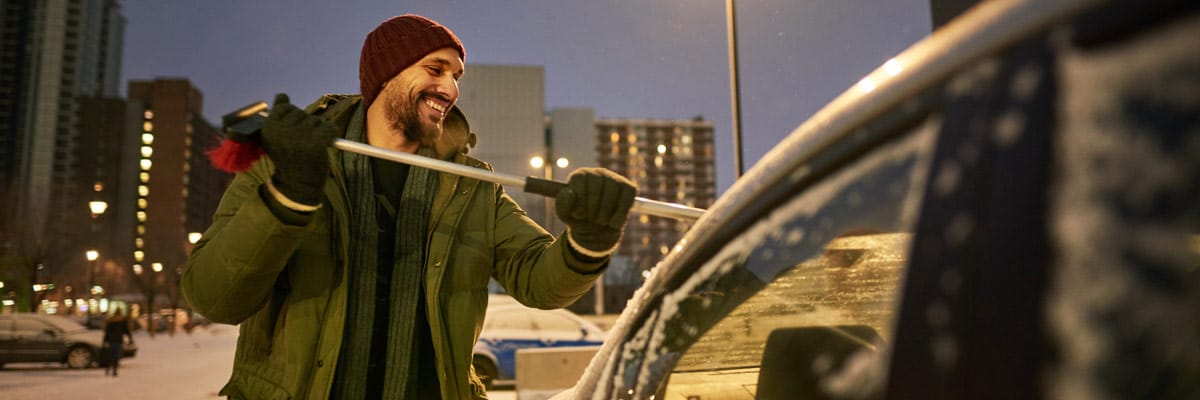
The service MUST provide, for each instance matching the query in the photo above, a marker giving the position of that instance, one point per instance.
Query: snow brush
(242, 146)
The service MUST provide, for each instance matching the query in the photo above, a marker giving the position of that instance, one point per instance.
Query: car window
(553, 322)
(63, 323)
(830, 259)
(508, 320)
(27, 326)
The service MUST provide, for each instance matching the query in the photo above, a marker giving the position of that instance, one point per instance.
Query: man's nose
(447, 86)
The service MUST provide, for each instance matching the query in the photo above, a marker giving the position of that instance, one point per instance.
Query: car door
(558, 330)
(6, 338)
(507, 330)
(36, 341)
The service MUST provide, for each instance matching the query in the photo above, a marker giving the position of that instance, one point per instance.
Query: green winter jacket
(286, 285)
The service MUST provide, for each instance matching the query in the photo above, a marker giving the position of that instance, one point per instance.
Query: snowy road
(183, 367)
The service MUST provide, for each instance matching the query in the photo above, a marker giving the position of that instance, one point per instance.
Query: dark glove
(296, 143)
(594, 205)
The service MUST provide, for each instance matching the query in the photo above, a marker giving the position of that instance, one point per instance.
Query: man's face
(417, 99)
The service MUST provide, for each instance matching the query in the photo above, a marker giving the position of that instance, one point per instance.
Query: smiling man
(357, 278)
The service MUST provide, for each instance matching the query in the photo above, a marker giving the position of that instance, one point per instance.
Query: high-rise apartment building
(176, 189)
(52, 52)
(105, 156)
(669, 160)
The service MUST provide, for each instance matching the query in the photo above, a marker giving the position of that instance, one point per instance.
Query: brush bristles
(235, 156)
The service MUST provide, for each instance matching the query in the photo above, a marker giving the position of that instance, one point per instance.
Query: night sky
(658, 59)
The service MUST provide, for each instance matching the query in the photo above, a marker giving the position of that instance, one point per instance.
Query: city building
(670, 161)
(505, 105)
(176, 190)
(52, 53)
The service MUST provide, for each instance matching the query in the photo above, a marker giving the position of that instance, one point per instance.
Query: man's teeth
(436, 106)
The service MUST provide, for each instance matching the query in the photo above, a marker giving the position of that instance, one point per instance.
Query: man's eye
(435, 70)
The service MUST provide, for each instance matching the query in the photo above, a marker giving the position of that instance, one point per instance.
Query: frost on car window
(1125, 311)
(831, 256)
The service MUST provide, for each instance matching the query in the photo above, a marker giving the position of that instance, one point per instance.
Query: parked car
(510, 326)
(26, 337)
(1006, 210)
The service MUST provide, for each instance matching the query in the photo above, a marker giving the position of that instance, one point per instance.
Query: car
(510, 326)
(1007, 209)
(29, 337)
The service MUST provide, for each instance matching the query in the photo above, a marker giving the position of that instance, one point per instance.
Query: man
(353, 277)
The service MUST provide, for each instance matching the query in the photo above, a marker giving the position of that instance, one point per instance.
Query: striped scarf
(412, 216)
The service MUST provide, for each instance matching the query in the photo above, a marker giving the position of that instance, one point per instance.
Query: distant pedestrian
(116, 329)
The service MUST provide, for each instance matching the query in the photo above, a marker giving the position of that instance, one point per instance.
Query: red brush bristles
(235, 156)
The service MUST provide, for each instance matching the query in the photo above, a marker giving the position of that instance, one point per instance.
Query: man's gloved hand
(594, 205)
(296, 143)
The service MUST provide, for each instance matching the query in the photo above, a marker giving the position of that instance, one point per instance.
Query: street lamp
(97, 207)
(92, 256)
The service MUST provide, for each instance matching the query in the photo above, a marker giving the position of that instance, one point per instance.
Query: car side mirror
(583, 332)
(792, 355)
(50, 332)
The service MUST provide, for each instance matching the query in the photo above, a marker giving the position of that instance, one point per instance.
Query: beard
(402, 115)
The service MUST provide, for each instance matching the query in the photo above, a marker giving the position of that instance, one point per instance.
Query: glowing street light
(97, 207)
(92, 256)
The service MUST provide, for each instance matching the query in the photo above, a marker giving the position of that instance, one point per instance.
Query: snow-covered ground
(182, 367)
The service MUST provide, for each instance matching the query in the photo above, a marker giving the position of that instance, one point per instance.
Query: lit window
(662, 149)
(141, 229)
(148, 114)
(137, 269)
(658, 161)
(98, 186)
(631, 138)
(144, 177)
(633, 150)
(143, 190)
(147, 138)
(141, 216)
(148, 126)
(147, 151)
(142, 203)
(614, 137)
(138, 255)
(139, 243)
(145, 163)
(562, 162)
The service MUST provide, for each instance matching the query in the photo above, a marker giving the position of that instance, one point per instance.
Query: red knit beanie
(396, 44)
